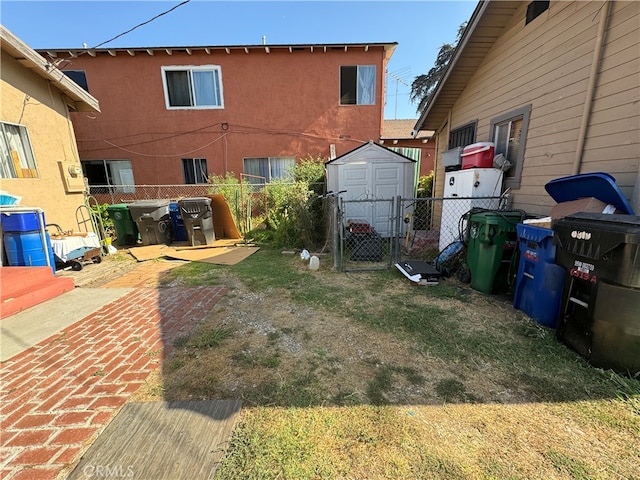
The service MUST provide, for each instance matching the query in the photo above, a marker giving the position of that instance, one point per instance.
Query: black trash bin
(600, 313)
(153, 221)
(197, 216)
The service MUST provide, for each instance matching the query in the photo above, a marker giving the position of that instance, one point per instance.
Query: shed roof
(486, 25)
(28, 57)
(372, 146)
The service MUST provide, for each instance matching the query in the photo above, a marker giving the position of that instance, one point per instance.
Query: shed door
(356, 180)
(375, 181)
(388, 183)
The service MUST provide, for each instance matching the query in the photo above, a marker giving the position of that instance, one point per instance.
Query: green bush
(425, 186)
(294, 209)
(423, 208)
(289, 211)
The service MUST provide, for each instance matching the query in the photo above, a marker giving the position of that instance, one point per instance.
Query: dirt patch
(95, 275)
(281, 352)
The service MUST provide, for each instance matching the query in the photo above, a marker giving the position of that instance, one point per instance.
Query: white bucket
(314, 263)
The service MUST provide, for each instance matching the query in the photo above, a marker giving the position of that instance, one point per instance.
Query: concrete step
(24, 287)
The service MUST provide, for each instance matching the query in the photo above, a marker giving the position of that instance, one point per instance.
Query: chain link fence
(438, 227)
(374, 234)
(248, 202)
(363, 235)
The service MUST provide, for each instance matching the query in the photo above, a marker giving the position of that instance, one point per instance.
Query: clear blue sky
(420, 27)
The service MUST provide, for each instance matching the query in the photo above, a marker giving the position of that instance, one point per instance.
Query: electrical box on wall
(72, 177)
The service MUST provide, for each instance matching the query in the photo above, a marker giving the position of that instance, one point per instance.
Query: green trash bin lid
(118, 206)
(117, 211)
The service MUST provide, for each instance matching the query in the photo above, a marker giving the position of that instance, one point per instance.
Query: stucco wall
(547, 64)
(30, 101)
(275, 104)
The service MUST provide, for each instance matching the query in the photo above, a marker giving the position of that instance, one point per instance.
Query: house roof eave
(485, 26)
(79, 99)
(388, 47)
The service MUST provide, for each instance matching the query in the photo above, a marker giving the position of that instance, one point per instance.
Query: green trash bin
(126, 229)
(492, 243)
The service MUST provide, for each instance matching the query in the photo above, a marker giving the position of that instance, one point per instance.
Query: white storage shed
(372, 172)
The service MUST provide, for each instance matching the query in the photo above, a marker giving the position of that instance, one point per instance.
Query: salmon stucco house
(555, 85)
(176, 115)
(40, 161)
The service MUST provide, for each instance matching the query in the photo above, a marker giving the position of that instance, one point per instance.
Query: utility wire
(143, 23)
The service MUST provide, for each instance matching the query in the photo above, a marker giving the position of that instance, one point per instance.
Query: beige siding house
(40, 160)
(555, 85)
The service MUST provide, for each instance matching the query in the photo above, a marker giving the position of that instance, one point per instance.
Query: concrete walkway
(58, 394)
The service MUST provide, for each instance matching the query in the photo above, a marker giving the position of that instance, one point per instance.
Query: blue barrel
(177, 223)
(20, 221)
(24, 249)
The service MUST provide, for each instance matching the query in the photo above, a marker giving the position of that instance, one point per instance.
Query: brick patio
(59, 395)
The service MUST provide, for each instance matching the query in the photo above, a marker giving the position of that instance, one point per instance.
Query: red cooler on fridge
(478, 155)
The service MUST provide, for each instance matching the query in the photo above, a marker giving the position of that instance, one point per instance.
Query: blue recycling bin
(539, 282)
(177, 223)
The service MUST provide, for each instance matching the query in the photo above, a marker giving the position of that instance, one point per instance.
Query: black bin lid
(595, 234)
(616, 223)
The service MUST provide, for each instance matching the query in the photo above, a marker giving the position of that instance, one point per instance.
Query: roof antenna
(264, 39)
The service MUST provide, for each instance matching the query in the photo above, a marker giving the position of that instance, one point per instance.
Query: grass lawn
(366, 376)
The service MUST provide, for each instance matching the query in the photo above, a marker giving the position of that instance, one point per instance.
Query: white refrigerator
(466, 189)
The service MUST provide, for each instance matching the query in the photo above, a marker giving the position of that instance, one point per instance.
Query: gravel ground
(94, 275)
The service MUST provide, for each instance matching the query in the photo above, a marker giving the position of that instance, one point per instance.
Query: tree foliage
(424, 85)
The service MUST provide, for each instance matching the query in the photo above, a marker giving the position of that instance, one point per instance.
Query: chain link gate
(365, 234)
(375, 234)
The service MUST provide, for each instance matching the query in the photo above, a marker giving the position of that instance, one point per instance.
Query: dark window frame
(513, 177)
(100, 173)
(79, 77)
(191, 173)
(349, 88)
(535, 9)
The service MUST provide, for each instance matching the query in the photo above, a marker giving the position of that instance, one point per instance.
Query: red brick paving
(58, 395)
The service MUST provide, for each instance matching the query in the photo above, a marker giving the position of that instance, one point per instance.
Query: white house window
(17, 156)
(193, 87)
(194, 170)
(358, 85)
(269, 168)
(509, 134)
(117, 175)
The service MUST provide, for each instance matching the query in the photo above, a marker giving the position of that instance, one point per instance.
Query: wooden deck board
(163, 440)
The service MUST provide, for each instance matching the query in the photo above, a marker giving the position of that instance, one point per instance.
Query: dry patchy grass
(369, 377)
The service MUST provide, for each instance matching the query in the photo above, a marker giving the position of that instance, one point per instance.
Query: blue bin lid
(533, 233)
(600, 185)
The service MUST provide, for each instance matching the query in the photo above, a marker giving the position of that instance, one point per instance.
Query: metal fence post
(398, 233)
(335, 231)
